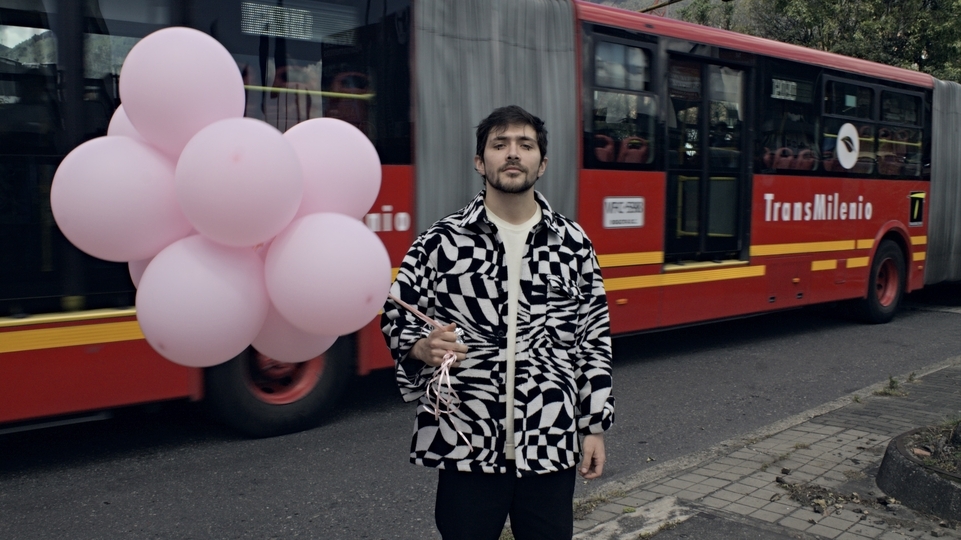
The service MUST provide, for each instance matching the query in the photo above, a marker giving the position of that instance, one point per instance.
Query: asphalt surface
(168, 472)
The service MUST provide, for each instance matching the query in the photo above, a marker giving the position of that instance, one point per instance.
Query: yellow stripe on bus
(919, 256)
(630, 259)
(69, 336)
(919, 240)
(824, 265)
(663, 280)
(866, 244)
(803, 247)
(50, 318)
(857, 262)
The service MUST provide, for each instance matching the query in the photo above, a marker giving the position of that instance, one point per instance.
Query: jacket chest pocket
(562, 306)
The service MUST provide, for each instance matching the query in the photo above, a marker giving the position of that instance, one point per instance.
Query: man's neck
(514, 208)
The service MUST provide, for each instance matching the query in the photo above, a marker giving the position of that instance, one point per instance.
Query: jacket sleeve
(592, 370)
(403, 329)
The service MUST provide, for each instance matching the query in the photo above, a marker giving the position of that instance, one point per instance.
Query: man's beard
(523, 187)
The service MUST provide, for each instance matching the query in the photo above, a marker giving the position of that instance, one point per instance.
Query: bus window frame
(589, 86)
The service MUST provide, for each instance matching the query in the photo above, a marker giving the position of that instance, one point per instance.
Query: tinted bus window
(624, 112)
(900, 135)
(345, 59)
(788, 125)
(847, 103)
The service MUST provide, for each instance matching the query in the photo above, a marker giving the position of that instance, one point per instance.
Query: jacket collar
(475, 213)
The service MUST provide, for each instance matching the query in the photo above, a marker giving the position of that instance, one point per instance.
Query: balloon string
(440, 391)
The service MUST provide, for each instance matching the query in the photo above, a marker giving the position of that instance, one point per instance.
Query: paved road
(166, 472)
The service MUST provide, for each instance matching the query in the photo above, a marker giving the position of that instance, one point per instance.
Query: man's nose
(513, 151)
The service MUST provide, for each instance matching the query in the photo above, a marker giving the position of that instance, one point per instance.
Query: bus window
(788, 131)
(899, 135)
(624, 113)
(684, 120)
(31, 146)
(726, 116)
(346, 60)
(844, 104)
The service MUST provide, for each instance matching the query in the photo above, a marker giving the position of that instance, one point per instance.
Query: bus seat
(784, 158)
(633, 150)
(603, 148)
(805, 160)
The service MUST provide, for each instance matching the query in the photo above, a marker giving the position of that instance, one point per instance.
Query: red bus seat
(633, 150)
(603, 148)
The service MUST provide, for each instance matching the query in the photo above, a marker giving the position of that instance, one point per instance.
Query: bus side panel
(392, 218)
(709, 300)
(634, 249)
(45, 382)
(372, 351)
(836, 224)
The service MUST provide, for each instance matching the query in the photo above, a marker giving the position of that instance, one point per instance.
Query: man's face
(512, 161)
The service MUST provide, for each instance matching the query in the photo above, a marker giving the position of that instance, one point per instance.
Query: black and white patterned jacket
(455, 272)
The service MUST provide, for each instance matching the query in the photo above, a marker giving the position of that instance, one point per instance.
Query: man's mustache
(513, 165)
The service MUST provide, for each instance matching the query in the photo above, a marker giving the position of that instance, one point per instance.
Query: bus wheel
(261, 397)
(885, 284)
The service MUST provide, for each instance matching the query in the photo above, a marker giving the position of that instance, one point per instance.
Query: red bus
(718, 174)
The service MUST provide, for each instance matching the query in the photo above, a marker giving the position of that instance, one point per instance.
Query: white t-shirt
(514, 238)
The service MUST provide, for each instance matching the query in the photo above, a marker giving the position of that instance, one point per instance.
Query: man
(533, 373)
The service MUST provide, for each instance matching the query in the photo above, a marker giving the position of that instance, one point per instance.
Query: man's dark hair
(502, 117)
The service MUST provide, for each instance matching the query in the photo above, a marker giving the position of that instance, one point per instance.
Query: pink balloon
(136, 269)
(114, 198)
(201, 303)
(341, 168)
(175, 82)
(285, 342)
(120, 126)
(327, 274)
(239, 182)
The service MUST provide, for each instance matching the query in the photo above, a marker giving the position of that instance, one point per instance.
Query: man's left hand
(592, 464)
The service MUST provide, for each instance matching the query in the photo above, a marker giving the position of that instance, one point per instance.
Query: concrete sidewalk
(764, 486)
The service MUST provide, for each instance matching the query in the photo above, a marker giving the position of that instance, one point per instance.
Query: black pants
(474, 506)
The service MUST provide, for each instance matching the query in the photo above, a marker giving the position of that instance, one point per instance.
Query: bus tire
(886, 284)
(262, 398)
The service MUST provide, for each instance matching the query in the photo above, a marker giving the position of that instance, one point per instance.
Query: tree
(710, 13)
(914, 34)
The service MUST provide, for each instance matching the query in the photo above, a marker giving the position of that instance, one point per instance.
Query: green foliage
(922, 35)
(710, 13)
(915, 34)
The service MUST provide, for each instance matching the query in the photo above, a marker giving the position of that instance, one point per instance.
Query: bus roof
(663, 26)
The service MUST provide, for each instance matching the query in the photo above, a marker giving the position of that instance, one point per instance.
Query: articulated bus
(718, 174)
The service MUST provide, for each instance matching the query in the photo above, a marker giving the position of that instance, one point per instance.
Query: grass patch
(584, 507)
(664, 527)
(801, 446)
(893, 388)
(856, 398)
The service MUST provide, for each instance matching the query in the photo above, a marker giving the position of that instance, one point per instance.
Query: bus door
(705, 177)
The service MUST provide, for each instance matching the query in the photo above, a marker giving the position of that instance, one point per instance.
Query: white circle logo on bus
(848, 146)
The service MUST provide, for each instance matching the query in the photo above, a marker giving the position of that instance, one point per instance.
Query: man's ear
(542, 168)
(479, 165)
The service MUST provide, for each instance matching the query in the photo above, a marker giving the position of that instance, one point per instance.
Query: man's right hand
(431, 349)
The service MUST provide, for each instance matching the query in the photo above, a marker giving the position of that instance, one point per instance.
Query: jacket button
(500, 334)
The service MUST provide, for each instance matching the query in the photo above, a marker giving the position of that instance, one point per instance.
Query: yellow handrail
(364, 97)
